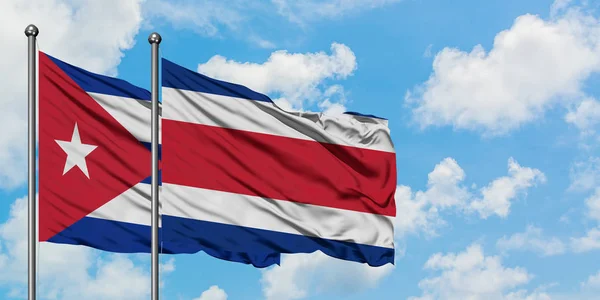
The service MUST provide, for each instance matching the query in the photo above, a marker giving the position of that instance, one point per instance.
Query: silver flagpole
(154, 39)
(31, 32)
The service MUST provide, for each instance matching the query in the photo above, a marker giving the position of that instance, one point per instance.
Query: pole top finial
(31, 30)
(154, 38)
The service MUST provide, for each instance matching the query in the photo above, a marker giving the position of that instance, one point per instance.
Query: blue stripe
(148, 146)
(121, 237)
(178, 77)
(148, 180)
(96, 83)
(106, 235)
(220, 240)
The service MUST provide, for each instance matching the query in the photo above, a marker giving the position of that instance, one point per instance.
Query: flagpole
(31, 32)
(154, 39)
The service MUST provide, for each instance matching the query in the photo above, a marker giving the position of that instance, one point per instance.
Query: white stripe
(132, 206)
(265, 117)
(277, 215)
(133, 114)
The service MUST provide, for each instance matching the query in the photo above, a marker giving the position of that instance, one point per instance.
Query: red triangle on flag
(117, 163)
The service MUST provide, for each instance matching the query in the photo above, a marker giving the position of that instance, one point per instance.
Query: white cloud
(532, 67)
(84, 273)
(309, 10)
(213, 293)
(262, 43)
(214, 18)
(592, 283)
(593, 205)
(333, 100)
(301, 274)
(532, 240)
(524, 295)
(586, 116)
(302, 86)
(472, 275)
(443, 189)
(204, 16)
(332, 108)
(74, 31)
(420, 211)
(498, 194)
(211, 18)
(589, 242)
(427, 52)
(414, 215)
(114, 279)
(585, 175)
(588, 290)
(559, 6)
(168, 266)
(585, 180)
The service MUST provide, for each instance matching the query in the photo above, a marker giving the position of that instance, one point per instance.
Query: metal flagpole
(31, 32)
(154, 39)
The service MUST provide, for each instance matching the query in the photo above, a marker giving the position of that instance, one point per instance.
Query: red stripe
(277, 167)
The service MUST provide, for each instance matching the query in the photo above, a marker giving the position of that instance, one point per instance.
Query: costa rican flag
(245, 181)
(94, 159)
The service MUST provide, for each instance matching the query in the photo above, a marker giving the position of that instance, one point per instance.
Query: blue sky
(492, 107)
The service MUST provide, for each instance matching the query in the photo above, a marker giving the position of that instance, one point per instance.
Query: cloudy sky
(493, 108)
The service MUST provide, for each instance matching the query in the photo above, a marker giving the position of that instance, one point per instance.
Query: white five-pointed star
(76, 152)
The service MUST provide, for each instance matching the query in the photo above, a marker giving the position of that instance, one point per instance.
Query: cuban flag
(94, 159)
(246, 181)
